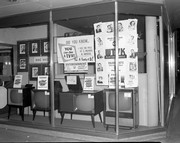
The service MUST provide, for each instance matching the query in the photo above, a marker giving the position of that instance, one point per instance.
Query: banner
(105, 53)
(75, 49)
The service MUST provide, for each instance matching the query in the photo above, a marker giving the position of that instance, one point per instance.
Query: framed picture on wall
(45, 70)
(22, 64)
(35, 70)
(45, 47)
(22, 48)
(34, 48)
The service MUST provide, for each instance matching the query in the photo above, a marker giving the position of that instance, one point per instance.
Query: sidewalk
(10, 135)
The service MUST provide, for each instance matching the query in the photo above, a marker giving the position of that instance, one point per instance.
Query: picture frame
(35, 71)
(45, 50)
(22, 48)
(22, 64)
(45, 69)
(34, 48)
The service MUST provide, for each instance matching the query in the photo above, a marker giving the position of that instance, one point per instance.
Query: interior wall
(33, 32)
(8, 35)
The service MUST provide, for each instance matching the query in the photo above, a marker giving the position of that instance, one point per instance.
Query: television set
(16, 97)
(41, 98)
(128, 107)
(19, 98)
(73, 83)
(84, 103)
(125, 101)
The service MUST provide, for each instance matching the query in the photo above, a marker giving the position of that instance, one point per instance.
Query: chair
(40, 99)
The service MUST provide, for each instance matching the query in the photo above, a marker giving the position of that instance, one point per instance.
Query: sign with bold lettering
(106, 53)
(75, 49)
(43, 59)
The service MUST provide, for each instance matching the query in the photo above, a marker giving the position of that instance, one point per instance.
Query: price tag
(90, 96)
(20, 91)
(46, 93)
(127, 95)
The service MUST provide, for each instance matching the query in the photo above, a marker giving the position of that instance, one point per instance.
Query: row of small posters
(42, 82)
(75, 52)
(127, 51)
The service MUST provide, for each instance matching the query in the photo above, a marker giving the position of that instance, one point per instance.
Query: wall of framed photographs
(33, 57)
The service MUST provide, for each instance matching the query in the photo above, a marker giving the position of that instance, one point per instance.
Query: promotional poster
(127, 53)
(17, 81)
(75, 49)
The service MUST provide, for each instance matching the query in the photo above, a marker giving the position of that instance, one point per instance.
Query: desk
(85, 103)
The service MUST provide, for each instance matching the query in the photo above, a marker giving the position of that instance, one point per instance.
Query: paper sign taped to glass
(75, 49)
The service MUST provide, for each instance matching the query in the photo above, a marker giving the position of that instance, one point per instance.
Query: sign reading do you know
(75, 49)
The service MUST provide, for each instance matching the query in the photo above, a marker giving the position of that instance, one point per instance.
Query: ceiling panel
(64, 3)
(19, 9)
(8, 8)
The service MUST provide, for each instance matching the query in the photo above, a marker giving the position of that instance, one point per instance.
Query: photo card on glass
(35, 71)
(34, 48)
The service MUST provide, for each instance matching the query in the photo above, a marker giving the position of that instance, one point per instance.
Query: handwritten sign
(75, 49)
(79, 67)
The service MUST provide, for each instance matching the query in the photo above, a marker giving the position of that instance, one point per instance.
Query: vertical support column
(171, 66)
(151, 33)
(117, 66)
(51, 47)
(171, 61)
(161, 34)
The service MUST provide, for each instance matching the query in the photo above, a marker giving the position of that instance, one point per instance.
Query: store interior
(69, 24)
